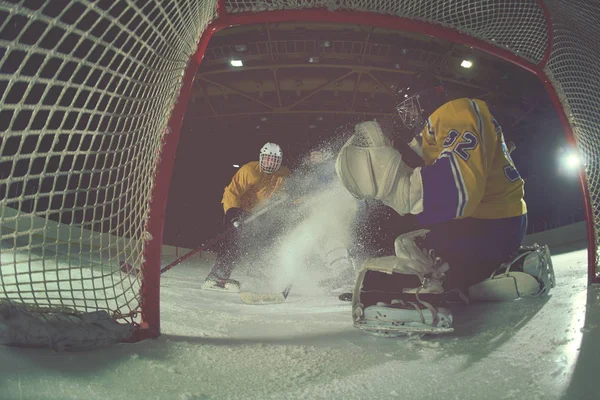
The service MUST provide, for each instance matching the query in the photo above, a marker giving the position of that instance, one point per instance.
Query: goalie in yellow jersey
(466, 196)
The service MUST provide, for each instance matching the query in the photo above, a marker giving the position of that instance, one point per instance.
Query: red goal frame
(150, 326)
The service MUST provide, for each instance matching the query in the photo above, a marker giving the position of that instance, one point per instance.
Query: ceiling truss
(320, 74)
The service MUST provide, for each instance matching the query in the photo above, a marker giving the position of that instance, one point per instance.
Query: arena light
(572, 161)
(236, 166)
(466, 64)
(236, 63)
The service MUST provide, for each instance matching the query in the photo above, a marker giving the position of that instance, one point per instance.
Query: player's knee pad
(529, 274)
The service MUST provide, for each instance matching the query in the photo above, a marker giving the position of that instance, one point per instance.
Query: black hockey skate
(221, 285)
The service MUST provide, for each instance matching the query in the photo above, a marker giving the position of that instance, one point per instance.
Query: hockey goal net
(92, 95)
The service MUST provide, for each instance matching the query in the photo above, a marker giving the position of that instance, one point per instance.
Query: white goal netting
(87, 89)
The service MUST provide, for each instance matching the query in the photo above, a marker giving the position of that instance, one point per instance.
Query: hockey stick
(220, 237)
(265, 298)
(198, 249)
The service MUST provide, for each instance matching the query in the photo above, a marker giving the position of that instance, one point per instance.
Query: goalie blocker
(403, 294)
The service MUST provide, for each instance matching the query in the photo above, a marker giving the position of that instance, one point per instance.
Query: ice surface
(214, 347)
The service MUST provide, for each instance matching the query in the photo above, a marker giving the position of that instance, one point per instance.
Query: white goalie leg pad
(388, 265)
(403, 316)
(431, 268)
(369, 167)
(529, 274)
(400, 317)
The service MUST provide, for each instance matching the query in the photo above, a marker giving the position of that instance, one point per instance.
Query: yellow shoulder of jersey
(251, 169)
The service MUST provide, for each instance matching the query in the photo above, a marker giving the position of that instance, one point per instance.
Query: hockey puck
(345, 297)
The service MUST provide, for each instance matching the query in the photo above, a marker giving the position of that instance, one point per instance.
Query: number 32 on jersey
(462, 149)
(469, 142)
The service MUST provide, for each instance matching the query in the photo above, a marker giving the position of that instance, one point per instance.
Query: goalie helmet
(270, 158)
(417, 101)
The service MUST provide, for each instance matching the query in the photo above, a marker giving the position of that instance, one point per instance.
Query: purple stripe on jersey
(441, 192)
(463, 195)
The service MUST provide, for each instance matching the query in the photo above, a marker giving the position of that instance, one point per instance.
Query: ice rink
(214, 347)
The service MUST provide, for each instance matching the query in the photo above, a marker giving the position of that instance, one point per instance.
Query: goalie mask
(270, 158)
(417, 101)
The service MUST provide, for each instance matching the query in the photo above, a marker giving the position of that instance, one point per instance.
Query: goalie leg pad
(408, 313)
(505, 287)
(529, 274)
(401, 318)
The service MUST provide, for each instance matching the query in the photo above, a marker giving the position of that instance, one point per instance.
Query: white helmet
(271, 157)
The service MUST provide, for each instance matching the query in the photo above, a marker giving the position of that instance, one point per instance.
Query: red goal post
(94, 95)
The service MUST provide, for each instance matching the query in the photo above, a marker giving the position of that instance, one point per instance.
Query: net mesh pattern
(519, 26)
(573, 68)
(86, 89)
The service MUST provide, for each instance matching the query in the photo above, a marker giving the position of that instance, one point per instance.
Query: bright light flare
(236, 63)
(466, 64)
(236, 166)
(569, 161)
(572, 161)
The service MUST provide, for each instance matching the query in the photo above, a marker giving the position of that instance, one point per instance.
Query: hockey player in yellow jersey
(252, 185)
(465, 194)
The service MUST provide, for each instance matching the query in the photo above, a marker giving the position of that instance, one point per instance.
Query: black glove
(234, 217)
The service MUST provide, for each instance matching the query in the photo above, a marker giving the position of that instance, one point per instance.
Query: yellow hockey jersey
(468, 170)
(250, 186)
